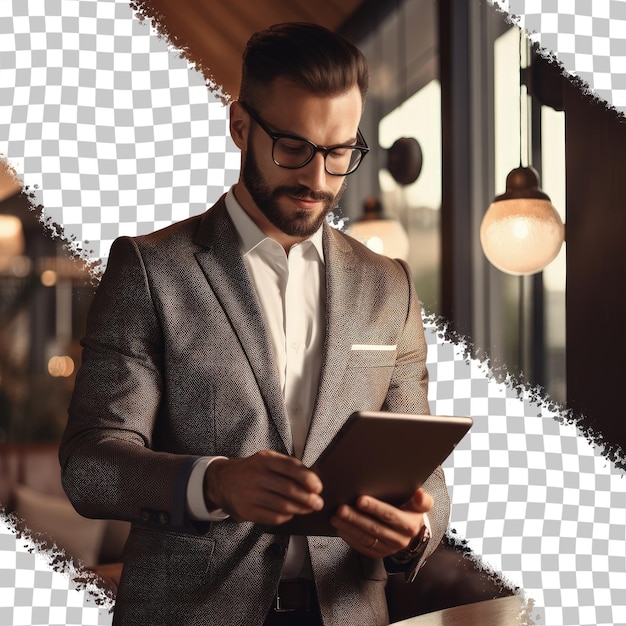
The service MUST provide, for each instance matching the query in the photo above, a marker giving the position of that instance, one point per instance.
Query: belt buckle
(297, 590)
(277, 605)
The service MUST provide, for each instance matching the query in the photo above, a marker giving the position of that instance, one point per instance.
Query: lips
(305, 203)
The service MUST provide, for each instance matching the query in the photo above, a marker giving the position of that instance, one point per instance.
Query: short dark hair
(310, 56)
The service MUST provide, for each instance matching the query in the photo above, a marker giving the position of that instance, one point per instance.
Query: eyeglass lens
(294, 153)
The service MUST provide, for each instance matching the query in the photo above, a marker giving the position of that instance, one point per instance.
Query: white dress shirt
(292, 294)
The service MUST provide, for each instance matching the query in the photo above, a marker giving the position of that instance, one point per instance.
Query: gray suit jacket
(177, 364)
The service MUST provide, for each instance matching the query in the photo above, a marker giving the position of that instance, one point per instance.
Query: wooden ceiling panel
(213, 33)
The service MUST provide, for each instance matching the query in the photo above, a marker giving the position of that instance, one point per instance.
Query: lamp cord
(519, 51)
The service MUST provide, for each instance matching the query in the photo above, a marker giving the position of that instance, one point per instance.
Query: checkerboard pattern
(39, 587)
(533, 497)
(588, 37)
(115, 134)
(113, 131)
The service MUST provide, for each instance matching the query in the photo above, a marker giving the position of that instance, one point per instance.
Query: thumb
(420, 502)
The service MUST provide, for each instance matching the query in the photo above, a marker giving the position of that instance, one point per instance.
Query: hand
(267, 487)
(378, 529)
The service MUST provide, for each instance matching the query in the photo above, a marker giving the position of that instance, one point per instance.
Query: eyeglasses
(293, 152)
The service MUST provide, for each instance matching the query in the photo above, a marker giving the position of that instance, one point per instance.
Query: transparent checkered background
(36, 589)
(116, 134)
(533, 497)
(588, 37)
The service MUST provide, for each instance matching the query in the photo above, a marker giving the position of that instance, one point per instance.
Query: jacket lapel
(343, 295)
(222, 263)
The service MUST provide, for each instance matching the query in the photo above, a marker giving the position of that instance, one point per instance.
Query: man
(219, 362)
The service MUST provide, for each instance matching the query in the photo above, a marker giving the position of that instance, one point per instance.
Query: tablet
(384, 455)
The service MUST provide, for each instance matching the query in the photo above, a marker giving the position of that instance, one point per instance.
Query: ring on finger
(373, 544)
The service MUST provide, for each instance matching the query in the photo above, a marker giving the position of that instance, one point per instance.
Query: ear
(239, 125)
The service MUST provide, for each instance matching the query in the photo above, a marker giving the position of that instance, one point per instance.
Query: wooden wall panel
(596, 264)
(214, 32)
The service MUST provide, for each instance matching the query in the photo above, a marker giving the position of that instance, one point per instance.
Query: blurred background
(44, 297)
(445, 122)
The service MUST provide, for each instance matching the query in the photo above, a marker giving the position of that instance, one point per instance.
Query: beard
(295, 222)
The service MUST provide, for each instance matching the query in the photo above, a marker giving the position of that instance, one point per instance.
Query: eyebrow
(257, 117)
(350, 142)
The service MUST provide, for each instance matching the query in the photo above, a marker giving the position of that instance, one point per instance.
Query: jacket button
(145, 515)
(164, 518)
(275, 550)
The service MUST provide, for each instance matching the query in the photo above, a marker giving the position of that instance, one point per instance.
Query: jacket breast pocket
(367, 376)
(372, 358)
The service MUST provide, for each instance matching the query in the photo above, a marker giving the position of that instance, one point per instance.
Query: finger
(405, 523)
(420, 502)
(362, 534)
(259, 503)
(278, 503)
(287, 477)
(293, 469)
(284, 491)
(254, 481)
(393, 527)
(360, 528)
(275, 472)
(247, 488)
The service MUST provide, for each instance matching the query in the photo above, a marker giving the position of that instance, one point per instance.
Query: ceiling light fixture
(521, 232)
(382, 235)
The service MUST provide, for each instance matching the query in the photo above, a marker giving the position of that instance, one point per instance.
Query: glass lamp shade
(382, 236)
(521, 231)
(521, 235)
(11, 239)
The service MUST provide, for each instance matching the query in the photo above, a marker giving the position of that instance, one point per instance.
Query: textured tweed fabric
(177, 364)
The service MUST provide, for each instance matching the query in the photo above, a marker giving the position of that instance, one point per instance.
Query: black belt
(294, 595)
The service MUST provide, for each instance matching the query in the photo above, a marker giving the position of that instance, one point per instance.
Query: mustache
(302, 192)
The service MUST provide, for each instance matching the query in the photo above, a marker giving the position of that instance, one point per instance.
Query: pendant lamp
(382, 235)
(521, 232)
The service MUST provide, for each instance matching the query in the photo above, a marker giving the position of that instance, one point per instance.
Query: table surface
(509, 611)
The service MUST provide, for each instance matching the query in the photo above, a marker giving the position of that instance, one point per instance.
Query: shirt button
(164, 518)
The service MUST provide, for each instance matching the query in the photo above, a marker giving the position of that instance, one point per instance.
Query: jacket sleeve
(408, 392)
(108, 467)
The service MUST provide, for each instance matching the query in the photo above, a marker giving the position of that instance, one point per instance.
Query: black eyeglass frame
(360, 146)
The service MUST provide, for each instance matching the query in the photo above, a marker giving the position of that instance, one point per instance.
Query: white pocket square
(365, 346)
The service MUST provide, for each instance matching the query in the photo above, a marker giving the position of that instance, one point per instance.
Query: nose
(313, 174)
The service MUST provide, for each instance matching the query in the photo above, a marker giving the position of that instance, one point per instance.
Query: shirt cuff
(196, 503)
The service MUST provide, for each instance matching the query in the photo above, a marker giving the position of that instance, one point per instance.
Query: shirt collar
(251, 236)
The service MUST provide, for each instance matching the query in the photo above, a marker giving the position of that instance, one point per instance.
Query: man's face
(310, 207)
(288, 204)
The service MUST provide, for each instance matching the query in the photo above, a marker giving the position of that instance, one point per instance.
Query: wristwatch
(416, 548)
